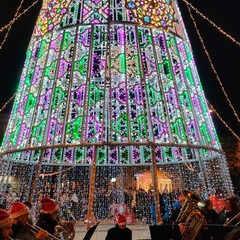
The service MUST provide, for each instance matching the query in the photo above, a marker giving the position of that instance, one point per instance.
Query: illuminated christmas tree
(110, 94)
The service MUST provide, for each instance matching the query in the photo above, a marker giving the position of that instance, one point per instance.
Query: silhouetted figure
(120, 231)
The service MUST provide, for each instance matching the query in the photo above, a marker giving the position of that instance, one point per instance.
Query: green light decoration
(112, 85)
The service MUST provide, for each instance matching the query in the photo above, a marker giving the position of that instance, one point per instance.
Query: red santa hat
(5, 218)
(49, 206)
(121, 220)
(18, 209)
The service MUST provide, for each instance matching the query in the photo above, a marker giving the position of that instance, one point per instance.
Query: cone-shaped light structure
(110, 84)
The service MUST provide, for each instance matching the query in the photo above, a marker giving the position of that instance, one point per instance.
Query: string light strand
(18, 16)
(10, 99)
(55, 173)
(212, 23)
(220, 118)
(189, 166)
(10, 26)
(212, 66)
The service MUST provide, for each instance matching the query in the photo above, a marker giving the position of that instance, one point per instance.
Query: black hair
(29, 204)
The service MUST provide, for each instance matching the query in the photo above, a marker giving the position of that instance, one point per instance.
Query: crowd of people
(17, 221)
(73, 203)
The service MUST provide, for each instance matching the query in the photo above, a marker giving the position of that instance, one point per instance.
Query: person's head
(19, 213)
(29, 204)
(234, 234)
(2, 206)
(121, 222)
(5, 225)
(50, 207)
(208, 204)
(181, 199)
(231, 204)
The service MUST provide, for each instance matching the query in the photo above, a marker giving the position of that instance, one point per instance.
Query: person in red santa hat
(19, 213)
(48, 219)
(5, 225)
(120, 231)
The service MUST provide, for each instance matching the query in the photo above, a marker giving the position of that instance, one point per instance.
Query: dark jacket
(22, 233)
(230, 215)
(224, 217)
(211, 216)
(117, 233)
(46, 223)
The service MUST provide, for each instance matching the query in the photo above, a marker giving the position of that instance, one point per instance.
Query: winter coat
(22, 232)
(46, 223)
(117, 233)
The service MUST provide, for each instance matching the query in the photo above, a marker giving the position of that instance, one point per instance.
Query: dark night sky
(224, 53)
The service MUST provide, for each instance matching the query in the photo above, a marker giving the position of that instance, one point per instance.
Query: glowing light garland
(6, 103)
(214, 110)
(212, 23)
(213, 68)
(18, 16)
(10, 26)
(54, 173)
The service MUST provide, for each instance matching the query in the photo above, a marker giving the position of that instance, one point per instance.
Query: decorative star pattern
(50, 15)
(158, 13)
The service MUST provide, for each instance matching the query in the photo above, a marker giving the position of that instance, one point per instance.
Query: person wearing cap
(5, 225)
(48, 219)
(120, 231)
(177, 207)
(19, 213)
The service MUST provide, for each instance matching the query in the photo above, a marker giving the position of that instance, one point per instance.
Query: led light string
(10, 25)
(16, 17)
(212, 23)
(189, 166)
(55, 173)
(214, 110)
(212, 66)
(10, 99)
